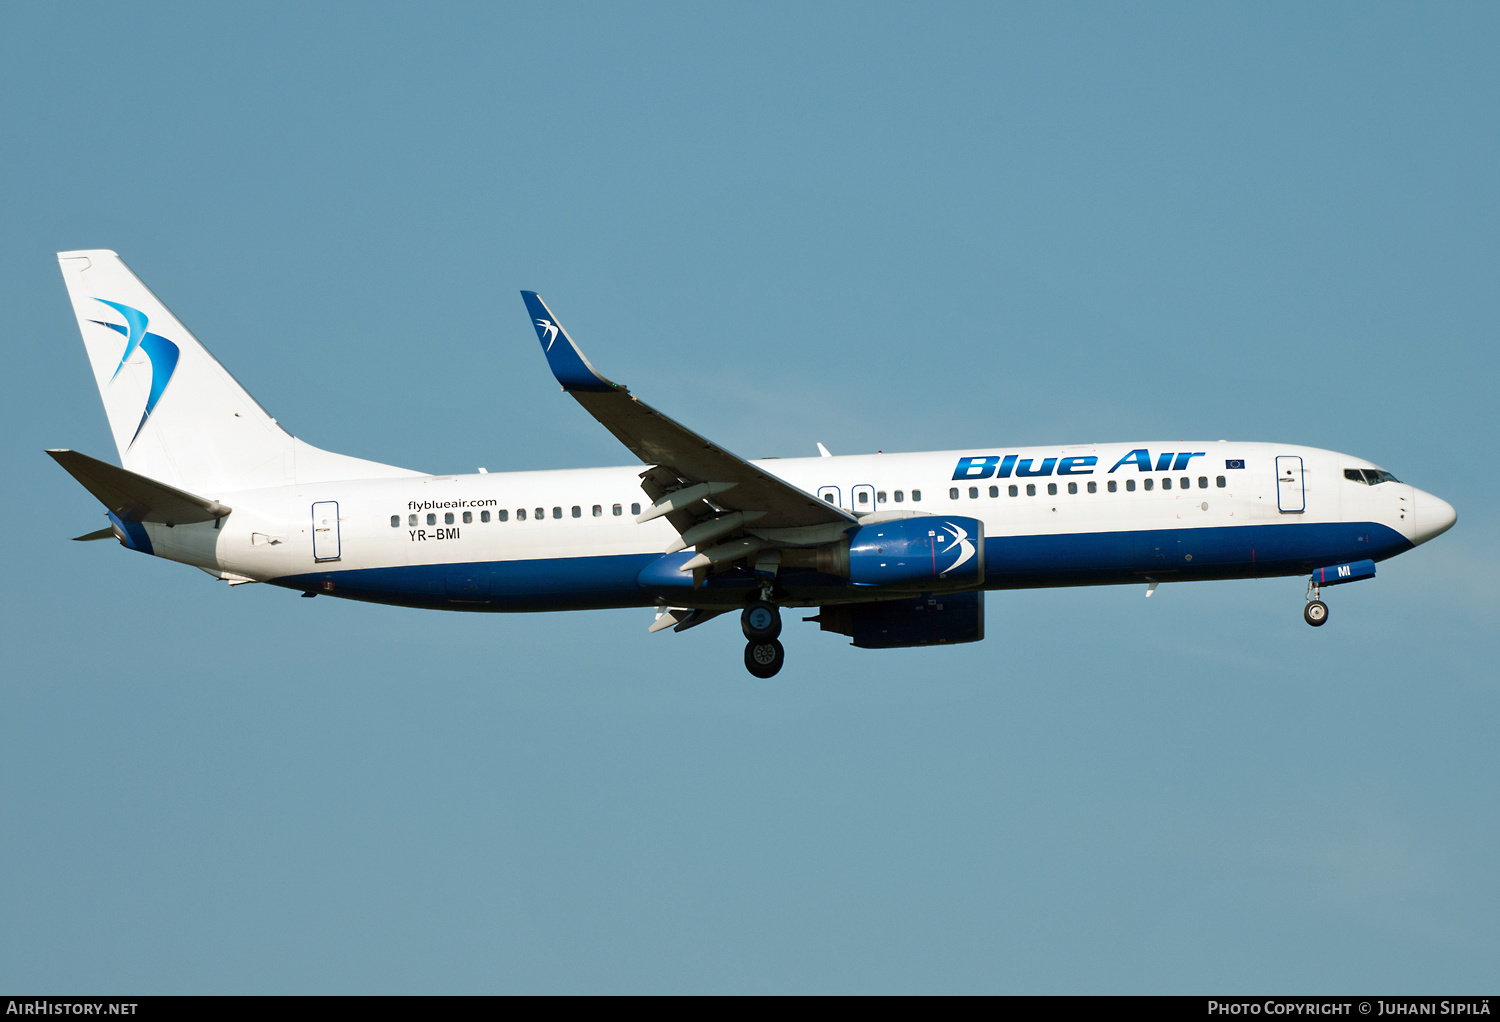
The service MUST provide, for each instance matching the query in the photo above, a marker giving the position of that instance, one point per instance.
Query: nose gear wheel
(1315, 613)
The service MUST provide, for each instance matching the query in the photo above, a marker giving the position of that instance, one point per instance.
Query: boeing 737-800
(893, 549)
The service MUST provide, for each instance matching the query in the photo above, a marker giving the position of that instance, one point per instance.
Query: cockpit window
(1354, 475)
(1369, 476)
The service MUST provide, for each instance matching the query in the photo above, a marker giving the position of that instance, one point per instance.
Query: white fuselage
(574, 516)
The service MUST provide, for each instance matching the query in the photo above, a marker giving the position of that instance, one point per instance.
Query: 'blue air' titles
(993, 465)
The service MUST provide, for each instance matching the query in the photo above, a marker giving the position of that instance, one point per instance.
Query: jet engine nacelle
(928, 553)
(933, 619)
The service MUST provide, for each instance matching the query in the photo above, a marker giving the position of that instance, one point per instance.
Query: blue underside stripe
(1011, 562)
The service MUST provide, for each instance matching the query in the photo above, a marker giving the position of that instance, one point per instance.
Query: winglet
(568, 364)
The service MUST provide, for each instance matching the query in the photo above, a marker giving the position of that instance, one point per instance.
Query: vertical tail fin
(177, 415)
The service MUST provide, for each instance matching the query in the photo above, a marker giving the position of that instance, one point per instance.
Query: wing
(706, 492)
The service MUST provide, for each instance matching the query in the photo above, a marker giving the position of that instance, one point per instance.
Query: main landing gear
(1316, 611)
(761, 623)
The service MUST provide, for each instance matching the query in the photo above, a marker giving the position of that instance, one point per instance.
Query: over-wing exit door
(1291, 497)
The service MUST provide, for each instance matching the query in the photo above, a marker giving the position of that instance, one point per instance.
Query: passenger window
(520, 514)
(973, 493)
(953, 493)
(502, 515)
(1014, 489)
(411, 519)
(557, 512)
(448, 518)
(1130, 485)
(432, 519)
(864, 496)
(828, 497)
(635, 509)
(1221, 482)
(1051, 489)
(616, 510)
(395, 521)
(598, 511)
(577, 511)
(484, 516)
(1166, 484)
(916, 496)
(1072, 487)
(994, 491)
(541, 513)
(1113, 486)
(1031, 489)
(1093, 487)
(900, 495)
(1203, 482)
(468, 518)
(1147, 483)
(880, 497)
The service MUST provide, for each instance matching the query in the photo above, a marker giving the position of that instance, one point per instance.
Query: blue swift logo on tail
(162, 353)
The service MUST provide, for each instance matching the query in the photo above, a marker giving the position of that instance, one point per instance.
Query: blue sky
(875, 226)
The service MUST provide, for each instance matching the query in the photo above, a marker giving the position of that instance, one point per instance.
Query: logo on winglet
(548, 330)
(162, 353)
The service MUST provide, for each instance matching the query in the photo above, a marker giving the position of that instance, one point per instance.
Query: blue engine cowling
(926, 552)
(932, 619)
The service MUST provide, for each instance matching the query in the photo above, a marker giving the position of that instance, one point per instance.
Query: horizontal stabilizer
(99, 534)
(134, 498)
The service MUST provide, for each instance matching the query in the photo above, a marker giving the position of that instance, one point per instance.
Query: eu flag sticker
(1235, 463)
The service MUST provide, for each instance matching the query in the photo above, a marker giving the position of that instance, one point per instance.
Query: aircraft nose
(1434, 516)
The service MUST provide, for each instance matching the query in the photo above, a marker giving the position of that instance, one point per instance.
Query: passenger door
(326, 546)
(1291, 497)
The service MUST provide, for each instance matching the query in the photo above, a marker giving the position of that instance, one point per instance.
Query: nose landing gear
(1316, 611)
(761, 623)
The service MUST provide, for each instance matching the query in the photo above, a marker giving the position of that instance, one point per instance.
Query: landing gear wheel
(1315, 613)
(763, 659)
(761, 622)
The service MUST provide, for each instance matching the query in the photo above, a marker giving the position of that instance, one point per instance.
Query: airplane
(891, 550)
